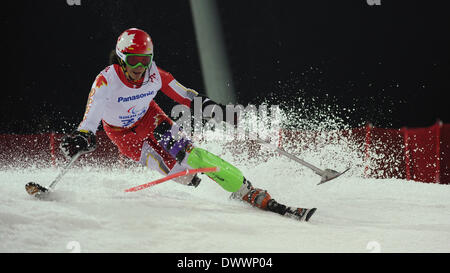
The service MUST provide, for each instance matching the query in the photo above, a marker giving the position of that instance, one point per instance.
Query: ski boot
(301, 214)
(195, 181)
(188, 180)
(261, 199)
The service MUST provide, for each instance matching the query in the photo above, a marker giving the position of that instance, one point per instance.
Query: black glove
(207, 102)
(78, 142)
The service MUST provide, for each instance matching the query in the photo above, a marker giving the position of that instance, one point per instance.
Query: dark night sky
(389, 63)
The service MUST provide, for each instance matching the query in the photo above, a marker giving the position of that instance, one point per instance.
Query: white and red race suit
(130, 115)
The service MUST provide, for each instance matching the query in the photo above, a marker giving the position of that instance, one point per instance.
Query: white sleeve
(95, 105)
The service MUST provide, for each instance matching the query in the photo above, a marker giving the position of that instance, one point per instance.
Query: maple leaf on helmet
(134, 41)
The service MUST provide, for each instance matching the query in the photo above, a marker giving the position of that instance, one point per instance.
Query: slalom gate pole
(172, 176)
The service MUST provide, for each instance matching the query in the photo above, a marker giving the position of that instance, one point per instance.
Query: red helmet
(135, 41)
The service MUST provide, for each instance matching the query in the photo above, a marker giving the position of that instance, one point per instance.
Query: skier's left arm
(174, 90)
(185, 96)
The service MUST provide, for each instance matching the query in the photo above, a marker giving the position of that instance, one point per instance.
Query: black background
(388, 64)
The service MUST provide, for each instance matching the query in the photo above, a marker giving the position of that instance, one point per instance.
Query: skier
(122, 99)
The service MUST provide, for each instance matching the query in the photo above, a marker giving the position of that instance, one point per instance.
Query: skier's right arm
(79, 141)
(83, 139)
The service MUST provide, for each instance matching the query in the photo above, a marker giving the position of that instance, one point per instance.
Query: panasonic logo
(135, 97)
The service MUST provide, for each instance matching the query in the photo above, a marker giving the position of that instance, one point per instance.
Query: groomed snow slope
(91, 212)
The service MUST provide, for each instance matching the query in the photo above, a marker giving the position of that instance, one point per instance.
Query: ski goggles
(135, 60)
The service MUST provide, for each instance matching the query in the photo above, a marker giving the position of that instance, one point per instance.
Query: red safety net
(419, 154)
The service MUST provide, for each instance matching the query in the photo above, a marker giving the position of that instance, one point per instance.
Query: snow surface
(90, 212)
